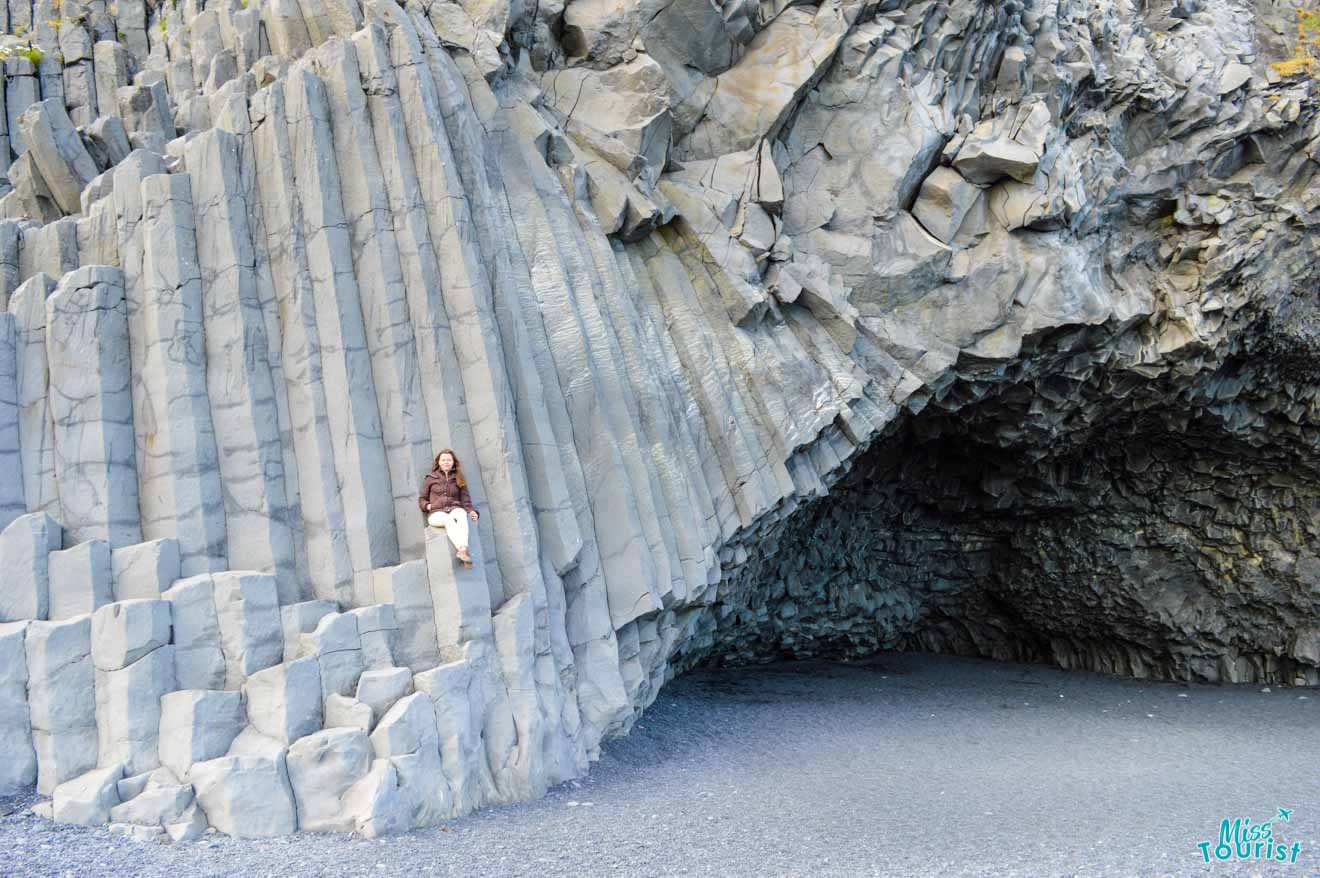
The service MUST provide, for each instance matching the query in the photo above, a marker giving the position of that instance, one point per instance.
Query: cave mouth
(1156, 527)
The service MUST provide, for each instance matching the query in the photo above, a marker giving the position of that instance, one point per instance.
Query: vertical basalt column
(127, 195)
(438, 371)
(12, 501)
(230, 110)
(355, 427)
(11, 243)
(181, 494)
(92, 406)
(329, 564)
(35, 429)
(238, 376)
(384, 298)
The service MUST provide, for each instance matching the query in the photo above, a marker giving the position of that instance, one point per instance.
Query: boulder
(158, 804)
(377, 804)
(246, 796)
(322, 768)
(88, 798)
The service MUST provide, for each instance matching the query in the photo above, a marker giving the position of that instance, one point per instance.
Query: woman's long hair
(457, 470)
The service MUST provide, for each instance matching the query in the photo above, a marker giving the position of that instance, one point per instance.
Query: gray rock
(197, 725)
(80, 579)
(246, 796)
(87, 799)
(322, 768)
(124, 632)
(145, 570)
(61, 693)
(91, 405)
(25, 548)
(284, 702)
(379, 689)
(128, 710)
(18, 761)
(58, 151)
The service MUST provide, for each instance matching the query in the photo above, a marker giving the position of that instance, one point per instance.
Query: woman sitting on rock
(446, 502)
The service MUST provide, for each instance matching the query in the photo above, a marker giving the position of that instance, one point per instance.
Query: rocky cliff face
(761, 329)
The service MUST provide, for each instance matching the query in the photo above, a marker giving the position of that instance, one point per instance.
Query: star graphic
(1286, 814)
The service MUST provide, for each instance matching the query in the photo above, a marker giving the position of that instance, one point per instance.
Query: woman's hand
(473, 515)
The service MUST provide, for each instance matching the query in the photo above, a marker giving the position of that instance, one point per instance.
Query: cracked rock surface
(761, 330)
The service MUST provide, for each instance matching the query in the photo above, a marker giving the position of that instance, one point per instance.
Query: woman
(446, 502)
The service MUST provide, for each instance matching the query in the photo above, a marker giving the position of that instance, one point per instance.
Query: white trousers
(455, 524)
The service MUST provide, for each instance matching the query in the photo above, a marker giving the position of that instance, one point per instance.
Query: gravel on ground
(903, 765)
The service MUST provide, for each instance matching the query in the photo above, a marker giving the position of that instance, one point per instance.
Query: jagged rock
(89, 798)
(111, 139)
(197, 725)
(407, 736)
(58, 151)
(348, 713)
(407, 588)
(600, 31)
(945, 198)
(133, 785)
(158, 804)
(379, 689)
(322, 768)
(378, 805)
(626, 102)
(299, 619)
(198, 656)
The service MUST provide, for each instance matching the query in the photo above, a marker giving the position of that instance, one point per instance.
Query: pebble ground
(905, 765)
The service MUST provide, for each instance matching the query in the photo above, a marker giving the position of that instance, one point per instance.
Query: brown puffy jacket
(443, 493)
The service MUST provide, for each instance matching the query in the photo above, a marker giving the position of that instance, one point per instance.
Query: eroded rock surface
(760, 329)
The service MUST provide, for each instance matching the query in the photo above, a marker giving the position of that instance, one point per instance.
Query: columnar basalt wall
(760, 329)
